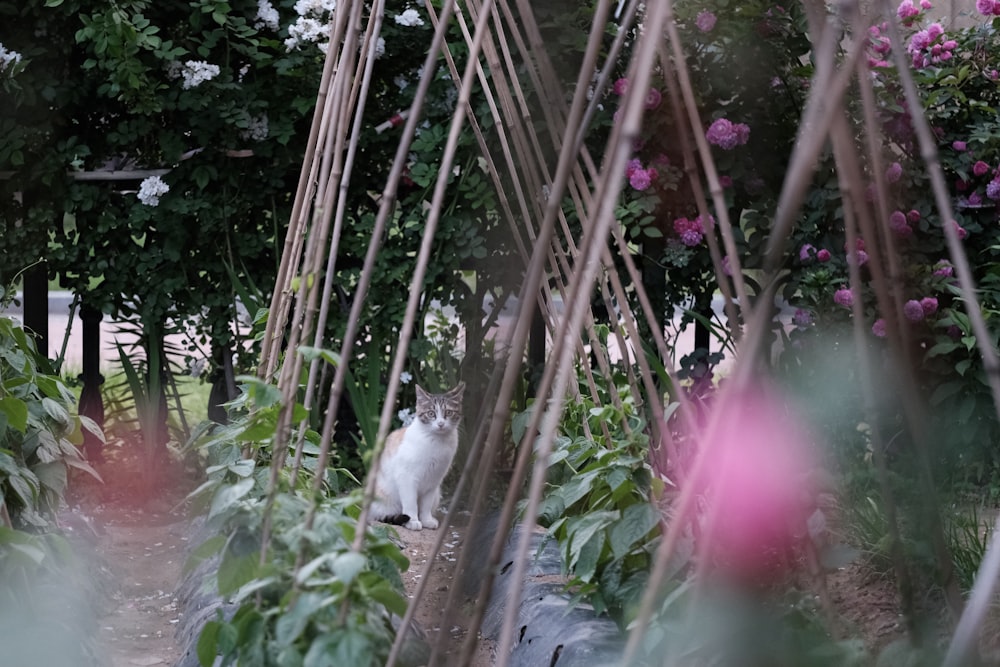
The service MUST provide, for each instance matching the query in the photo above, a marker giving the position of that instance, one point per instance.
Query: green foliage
(599, 505)
(39, 431)
(313, 600)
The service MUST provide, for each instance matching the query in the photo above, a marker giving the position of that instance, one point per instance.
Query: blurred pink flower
(823, 255)
(894, 172)
(878, 328)
(705, 21)
(620, 86)
(653, 98)
(959, 146)
(929, 305)
(843, 297)
(980, 168)
(913, 311)
(758, 486)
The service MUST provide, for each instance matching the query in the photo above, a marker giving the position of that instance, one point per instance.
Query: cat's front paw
(414, 524)
(430, 523)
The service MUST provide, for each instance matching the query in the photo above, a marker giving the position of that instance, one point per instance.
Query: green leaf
(235, 571)
(636, 522)
(16, 411)
(346, 566)
(293, 622)
(208, 641)
(226, 496)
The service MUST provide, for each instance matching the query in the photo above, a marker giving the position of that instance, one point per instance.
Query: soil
(418, 546)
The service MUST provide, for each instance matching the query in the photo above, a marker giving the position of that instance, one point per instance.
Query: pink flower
(913, 215)
(757, 484)
(929, 305)
(802, 318)
(913, 311)
(859, 256)
(959, 146)
(899, 224)
(705, 21)
(727, 135)
(878, 328)
(823, 255)
(894, 172)
(993, 189)
(985, 7)
(640, 179)
(944, 269)
(843, 297)
(726, 181)
(960, 230)
(653, 98)
(620, 86)
(689, 231)
(632, 166)
(980, 168)
(907, 12)
(806, 252)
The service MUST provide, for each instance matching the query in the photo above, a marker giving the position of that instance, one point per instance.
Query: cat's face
(440, 412)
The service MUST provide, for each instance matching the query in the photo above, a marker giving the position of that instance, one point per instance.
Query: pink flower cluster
(900, 222)
(928, 46)
(879, 46)
(913, 310)
(908, 12)
(639, 177)
(988, 7)
(726, 134)
(691, 232)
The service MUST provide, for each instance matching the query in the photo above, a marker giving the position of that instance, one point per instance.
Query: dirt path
(137, 532)
(418, 547)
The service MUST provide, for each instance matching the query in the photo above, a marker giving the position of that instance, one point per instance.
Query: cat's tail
(395, 519)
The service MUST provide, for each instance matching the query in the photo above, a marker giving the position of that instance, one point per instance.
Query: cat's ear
(422, 394)
(457, 391)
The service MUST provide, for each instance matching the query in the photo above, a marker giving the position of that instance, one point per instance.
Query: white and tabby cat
(415, 461)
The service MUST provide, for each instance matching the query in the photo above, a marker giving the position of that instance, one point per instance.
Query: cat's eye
(450, 414)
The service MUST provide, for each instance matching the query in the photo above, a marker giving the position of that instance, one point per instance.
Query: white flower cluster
(194, 72)
(8, 58)
(409, 18)
(267, 16)
(313, 24)
(405, 416)
(151, 190)
(257, 130)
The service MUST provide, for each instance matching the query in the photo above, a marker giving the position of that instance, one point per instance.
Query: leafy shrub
(39, 432)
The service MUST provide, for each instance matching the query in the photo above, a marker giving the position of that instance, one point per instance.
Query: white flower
(405, 377)
(401, 82)
(410, 18)
(267, 16)
(405, 416)
(151, 190)
(197, 72)
(313, 24)
(8, 58)
(257, 129)
(379, 47)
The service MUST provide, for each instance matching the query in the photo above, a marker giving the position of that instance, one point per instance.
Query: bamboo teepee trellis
(500, 35)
